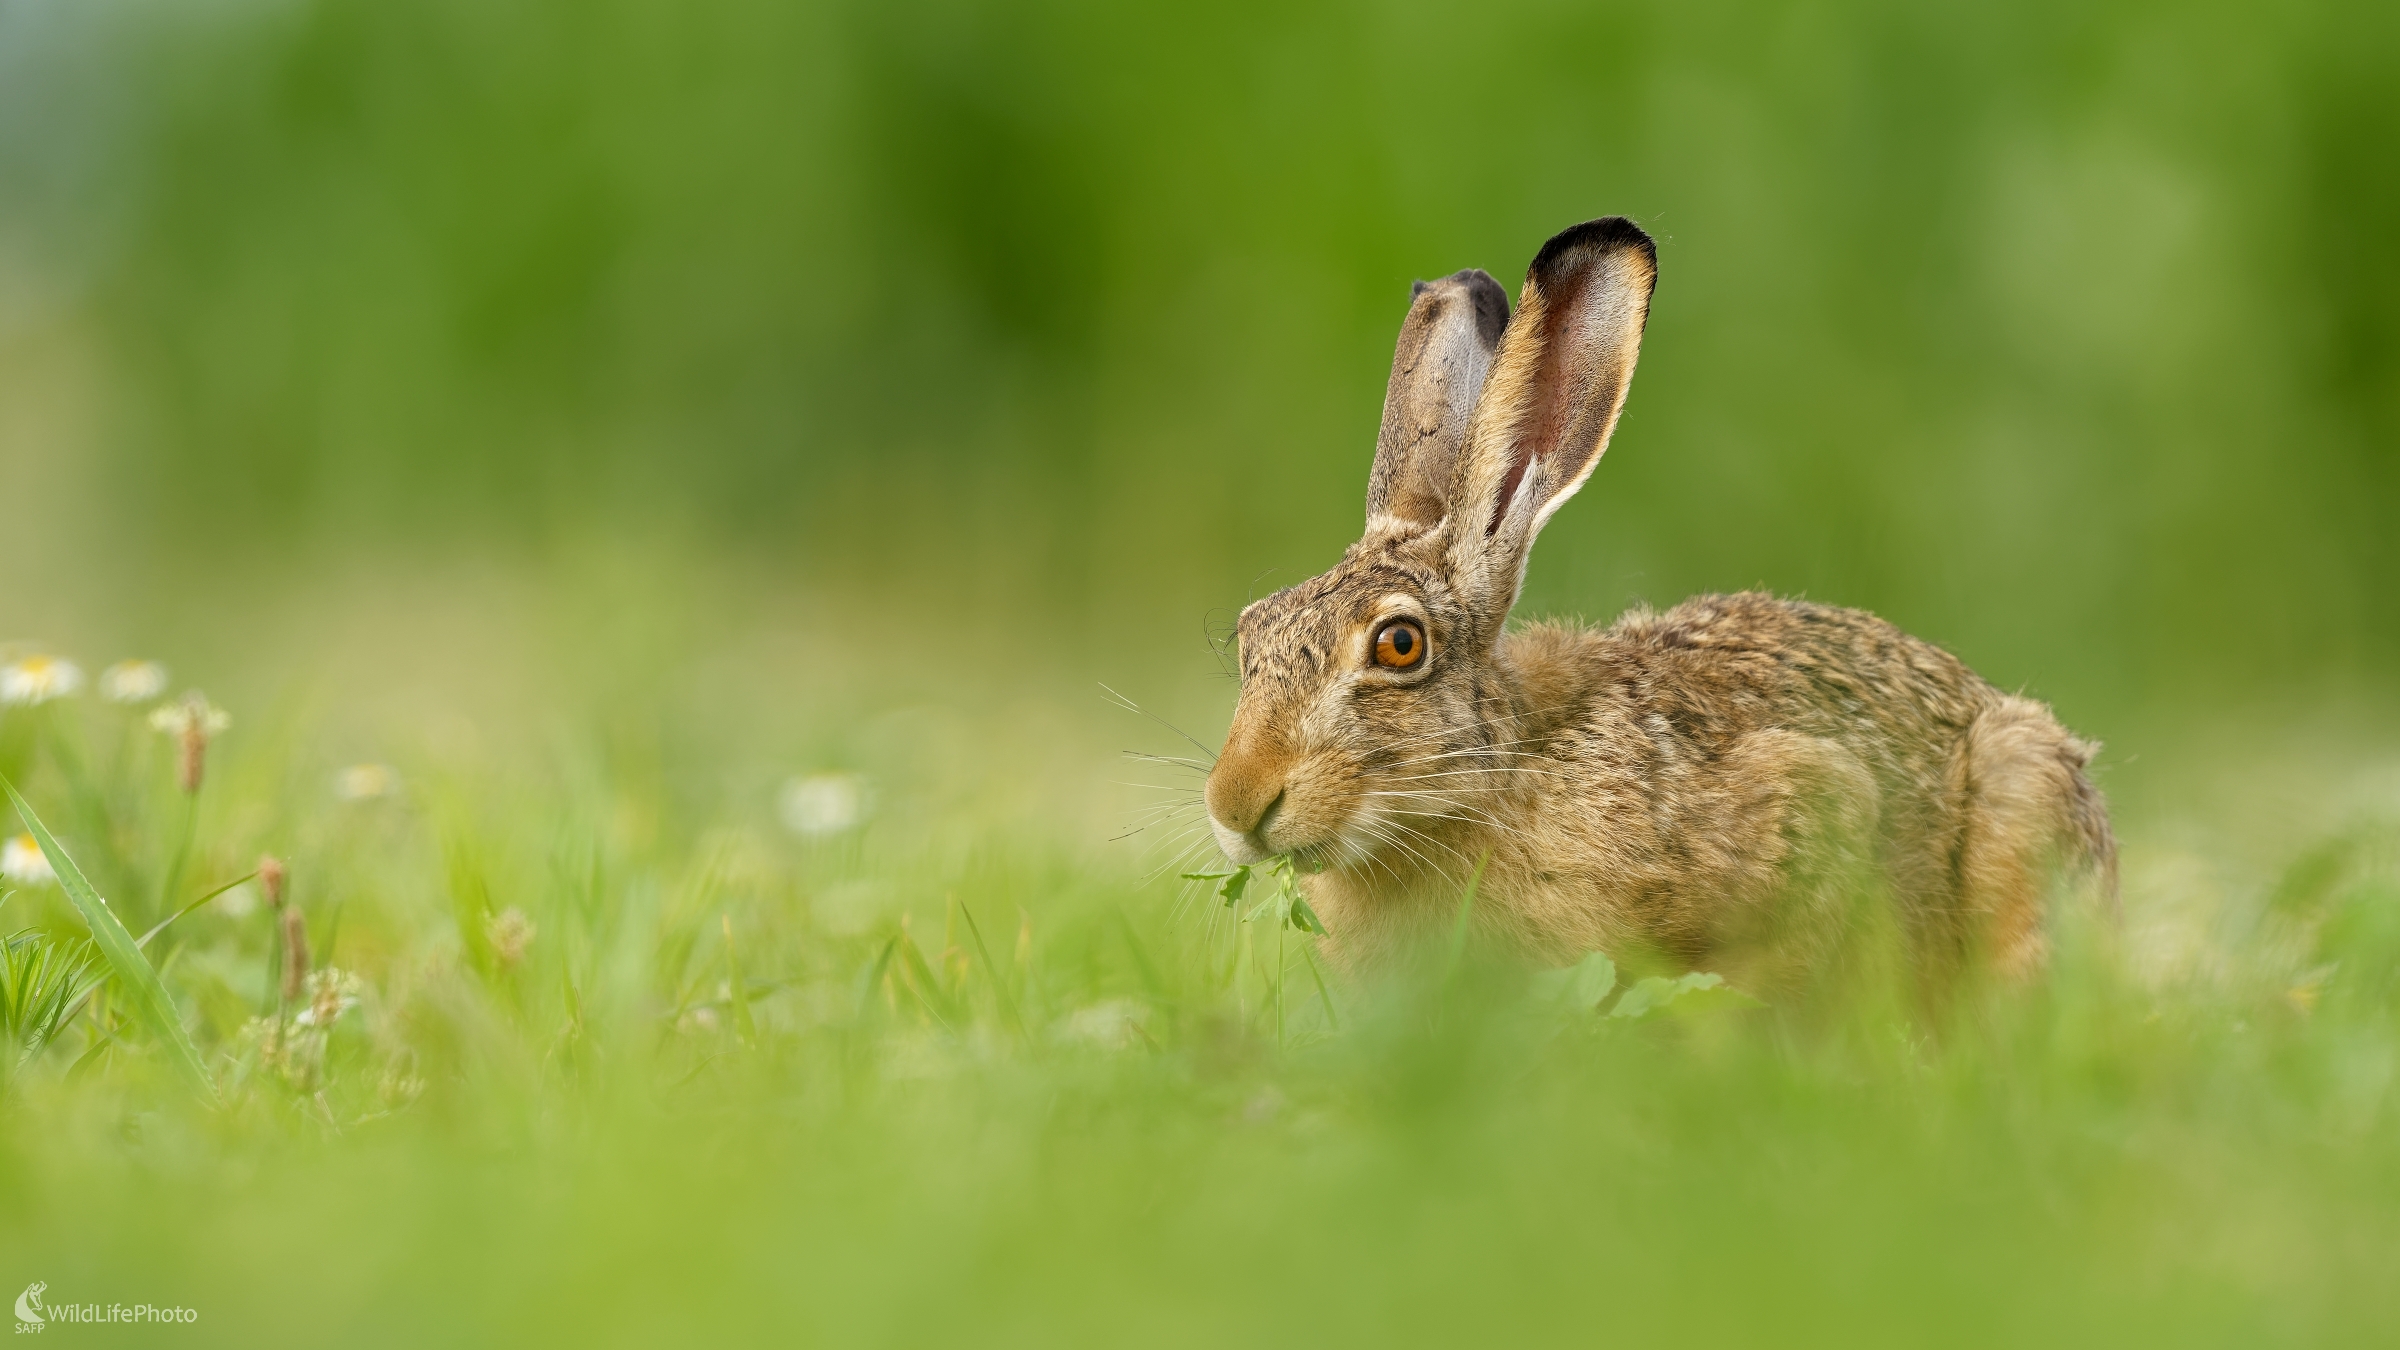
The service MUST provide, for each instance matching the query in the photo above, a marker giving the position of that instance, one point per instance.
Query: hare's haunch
(1716, 785)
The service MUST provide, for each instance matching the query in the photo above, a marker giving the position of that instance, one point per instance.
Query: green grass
(936, 1080)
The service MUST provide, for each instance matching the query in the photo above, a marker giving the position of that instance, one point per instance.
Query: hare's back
(1719, 667)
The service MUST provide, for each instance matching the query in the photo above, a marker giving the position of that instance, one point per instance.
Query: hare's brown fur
(1717, 784)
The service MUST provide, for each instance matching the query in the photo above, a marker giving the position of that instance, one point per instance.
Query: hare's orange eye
(1400, 645)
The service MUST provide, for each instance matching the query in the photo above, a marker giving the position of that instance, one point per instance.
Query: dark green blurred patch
(2062, 334)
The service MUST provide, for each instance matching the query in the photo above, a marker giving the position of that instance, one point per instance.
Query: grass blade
(162, 924)
(736, 992)
(42, 988)
(999, 985)
(1458, 935)
(1332, 1018)
(1466, 913)
(133, 970)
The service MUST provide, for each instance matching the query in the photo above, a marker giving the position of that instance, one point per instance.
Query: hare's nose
(1242, 806)
(1244, 787)
(1250, 845)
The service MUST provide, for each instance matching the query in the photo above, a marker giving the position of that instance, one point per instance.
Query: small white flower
(823, 803)
(133, 681)
(239, 903)
(21, 861)
(365, 782)
(192, 710)
(1112, 1024)
(38, 679)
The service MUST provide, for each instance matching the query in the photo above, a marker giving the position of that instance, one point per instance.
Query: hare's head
(1371, 704)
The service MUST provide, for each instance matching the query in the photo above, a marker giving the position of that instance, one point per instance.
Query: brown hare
(1714, 786)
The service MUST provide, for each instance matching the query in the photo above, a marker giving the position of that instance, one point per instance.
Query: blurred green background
(604, 411)
(2066, 335)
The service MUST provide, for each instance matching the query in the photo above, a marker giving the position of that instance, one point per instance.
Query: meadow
(632, 1041)
(651, 521)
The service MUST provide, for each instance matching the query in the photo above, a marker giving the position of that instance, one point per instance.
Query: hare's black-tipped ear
(1554, 393)
(1447, 344)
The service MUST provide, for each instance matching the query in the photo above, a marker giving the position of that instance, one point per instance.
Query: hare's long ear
(1551, 402)
(1446, 348)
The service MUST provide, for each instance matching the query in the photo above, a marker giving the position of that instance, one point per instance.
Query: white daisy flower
(133, 681)
(21, 861)
(38, 679)
(823, 803)
(365, 782)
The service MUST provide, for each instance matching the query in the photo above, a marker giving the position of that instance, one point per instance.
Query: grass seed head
(193, 721)
(331, 993)
(510, 933)
(295, 953)
(271, 878)
(400, 1085)
(265, 1035)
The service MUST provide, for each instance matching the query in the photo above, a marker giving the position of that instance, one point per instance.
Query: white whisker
(1130, 706)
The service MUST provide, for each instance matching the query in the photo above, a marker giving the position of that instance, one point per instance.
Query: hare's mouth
(1246, 847)
(1310, 858)
(1271, 838)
